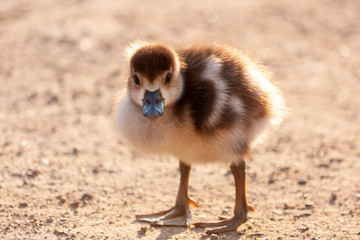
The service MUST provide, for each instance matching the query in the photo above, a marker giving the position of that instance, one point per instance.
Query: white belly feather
(179, 139)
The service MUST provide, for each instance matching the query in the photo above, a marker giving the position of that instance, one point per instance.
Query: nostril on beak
(147, 101)
(157, 101)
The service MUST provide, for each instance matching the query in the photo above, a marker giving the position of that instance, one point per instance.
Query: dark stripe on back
(199, 94)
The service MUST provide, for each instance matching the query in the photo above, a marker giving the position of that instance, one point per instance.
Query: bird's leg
(179, 215)
(241, 204)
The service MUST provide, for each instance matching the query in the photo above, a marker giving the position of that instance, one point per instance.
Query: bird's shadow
(229, 235)
(168, 231)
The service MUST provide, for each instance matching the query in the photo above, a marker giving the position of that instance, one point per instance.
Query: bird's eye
(168, 78)
(136, 80)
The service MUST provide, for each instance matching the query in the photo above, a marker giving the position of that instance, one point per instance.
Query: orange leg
(179, 215)
(241, 204)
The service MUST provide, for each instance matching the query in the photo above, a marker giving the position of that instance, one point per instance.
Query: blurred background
(64, 172)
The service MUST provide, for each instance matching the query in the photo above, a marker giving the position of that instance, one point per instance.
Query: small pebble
(60, 233)
(143, 230)
(332, 198)
(309, 205)
(61, 200)
(323, 165)
(23, 205)
(86, 197)
(214, 237)
(286, 206)
(302, 181)
(302, 215)
(284, 169)
(45, 161)
(74, 205)
(277, 212)
(52, 100)
(337, 160)
(74, 152)
(345, 213)
(32, 173)
(271, 180)
(303, 229)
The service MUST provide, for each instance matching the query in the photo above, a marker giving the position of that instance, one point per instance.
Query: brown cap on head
(151, 60)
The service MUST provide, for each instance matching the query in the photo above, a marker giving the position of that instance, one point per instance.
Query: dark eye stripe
(136, 80)
(168, 78)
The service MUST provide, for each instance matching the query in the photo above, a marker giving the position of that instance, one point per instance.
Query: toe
(226, 225)
(171, 217)
(213, 224)
(232, 226)
(138, 217)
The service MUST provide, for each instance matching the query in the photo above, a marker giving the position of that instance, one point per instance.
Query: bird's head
(154, 80)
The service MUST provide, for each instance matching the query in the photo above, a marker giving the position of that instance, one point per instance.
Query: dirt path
(64, 173)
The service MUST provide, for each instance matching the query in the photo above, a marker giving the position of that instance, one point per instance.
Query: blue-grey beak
(153, 104)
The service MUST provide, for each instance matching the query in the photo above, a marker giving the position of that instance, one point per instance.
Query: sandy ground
(65, 174)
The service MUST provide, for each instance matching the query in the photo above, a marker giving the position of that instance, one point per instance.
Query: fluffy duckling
(201, 104)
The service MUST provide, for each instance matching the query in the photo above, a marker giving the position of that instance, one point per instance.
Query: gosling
(201, 104)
